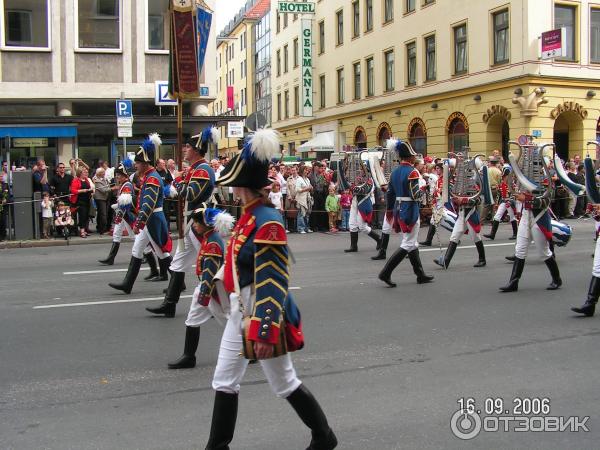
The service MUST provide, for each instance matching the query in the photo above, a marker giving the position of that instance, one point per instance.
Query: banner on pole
(230, 98)
(203, 21)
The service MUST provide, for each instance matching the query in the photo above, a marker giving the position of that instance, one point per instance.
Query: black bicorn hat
(147, 151)
(250, 167)
(402, 148)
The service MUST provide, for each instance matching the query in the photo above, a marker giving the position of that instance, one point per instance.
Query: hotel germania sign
(307, 72)
(296, 7)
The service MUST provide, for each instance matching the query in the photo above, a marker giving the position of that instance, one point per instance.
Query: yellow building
(442, 73)
(236, 68)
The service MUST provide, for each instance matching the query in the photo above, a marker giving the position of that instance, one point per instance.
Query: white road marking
(294, 288)
(104, 302)
(84, 272)
(486, 245)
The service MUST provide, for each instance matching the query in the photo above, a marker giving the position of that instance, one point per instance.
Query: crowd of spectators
(308, 194)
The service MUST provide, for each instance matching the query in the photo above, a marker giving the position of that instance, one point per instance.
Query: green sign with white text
(296, 7)
(306, 67)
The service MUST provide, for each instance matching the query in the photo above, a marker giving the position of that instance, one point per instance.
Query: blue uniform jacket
(404, 183)
(151, 198)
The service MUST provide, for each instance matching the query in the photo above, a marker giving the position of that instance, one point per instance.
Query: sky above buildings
(225, 10)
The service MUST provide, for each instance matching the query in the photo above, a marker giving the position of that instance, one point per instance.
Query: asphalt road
(387, 365)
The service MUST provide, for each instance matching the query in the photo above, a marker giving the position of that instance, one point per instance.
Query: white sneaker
(303, 232)
(310, 231)
(287, 231)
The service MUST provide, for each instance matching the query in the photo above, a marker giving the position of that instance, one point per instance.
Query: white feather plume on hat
(224, 223)
(155, 139)
(215, 135)
(265, 144)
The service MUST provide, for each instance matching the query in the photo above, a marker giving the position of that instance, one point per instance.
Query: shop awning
(321, 142)
(38, 132)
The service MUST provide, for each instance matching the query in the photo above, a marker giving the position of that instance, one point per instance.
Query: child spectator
(346, 203)
(332, 206)
(47, 205)
(63, 219)
(276, 197)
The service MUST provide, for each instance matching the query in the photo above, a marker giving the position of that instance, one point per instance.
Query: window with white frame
(595, 35)
(98, 24)
(340, 86)
(565, 16)
(26, 24)
(158, 25)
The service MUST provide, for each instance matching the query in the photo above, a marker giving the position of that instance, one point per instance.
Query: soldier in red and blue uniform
(209, 224)
(403, 200)
(150, 225)
(507, 205)
(256, 276)
(195, 187)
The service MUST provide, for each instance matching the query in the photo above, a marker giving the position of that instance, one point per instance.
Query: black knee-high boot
(415, 260)
(390, 265)
(515, 228)
(353, 242)
(376, 238)
(444, 260)
(481, 253)
(163, 266)
(492, 234)
(385, 239)
(554, 273)
(430, 234)
(310, 412)
(515, 276)
(589, 306)
(188, 359)
(132, 272)
(110, 260)
(169, 304)
(223, 421)
(151, 260)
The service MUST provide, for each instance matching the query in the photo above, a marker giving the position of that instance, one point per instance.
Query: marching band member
(435, 183)
(124, 211)
(195, 188)
(591, 188)
(507, 204)
(534, 194)
(150, 226)
(256, 277)
(208, 224)
(468, 217)
(361, 210)
(403, 198)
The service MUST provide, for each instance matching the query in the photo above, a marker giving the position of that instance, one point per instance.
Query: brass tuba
(530, 167)
(467, 179)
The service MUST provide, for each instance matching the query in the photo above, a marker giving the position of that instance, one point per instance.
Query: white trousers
(596, 269)
(386, 228)
(198, 314)
(231, 367)
(142, 240)
(410, 240)
(461, 226)
(502, 208)
(527, 231)
(186, 258)
(119, 229)
(356, 221)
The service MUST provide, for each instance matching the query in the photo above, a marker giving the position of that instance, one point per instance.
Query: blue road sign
(124, 109)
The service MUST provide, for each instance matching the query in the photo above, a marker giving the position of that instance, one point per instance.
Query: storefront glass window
(458, 136)
(26, 23)
(99, 22)
(418, 139)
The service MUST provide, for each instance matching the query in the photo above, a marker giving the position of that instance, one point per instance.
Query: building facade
(441, 73)
(243, 68)
(63, 63)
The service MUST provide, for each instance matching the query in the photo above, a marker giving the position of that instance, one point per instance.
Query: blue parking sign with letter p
(124, 108)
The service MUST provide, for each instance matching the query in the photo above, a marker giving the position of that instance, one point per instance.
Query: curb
(9, 245)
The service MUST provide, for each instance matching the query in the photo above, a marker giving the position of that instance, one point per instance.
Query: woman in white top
(303, 199)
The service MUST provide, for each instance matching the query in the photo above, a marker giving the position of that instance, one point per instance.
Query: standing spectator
(109, 172)
(40, 177)
(332, 206)
(290, 202)
(320, 190)
(581, 203)
(46, 215)
(346, 204)
(3, 204)
(101, 194)
(60, 185)
(82, 189)
(276, 197)
(303, 200)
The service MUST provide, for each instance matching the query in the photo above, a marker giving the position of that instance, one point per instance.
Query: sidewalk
(61, 242)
